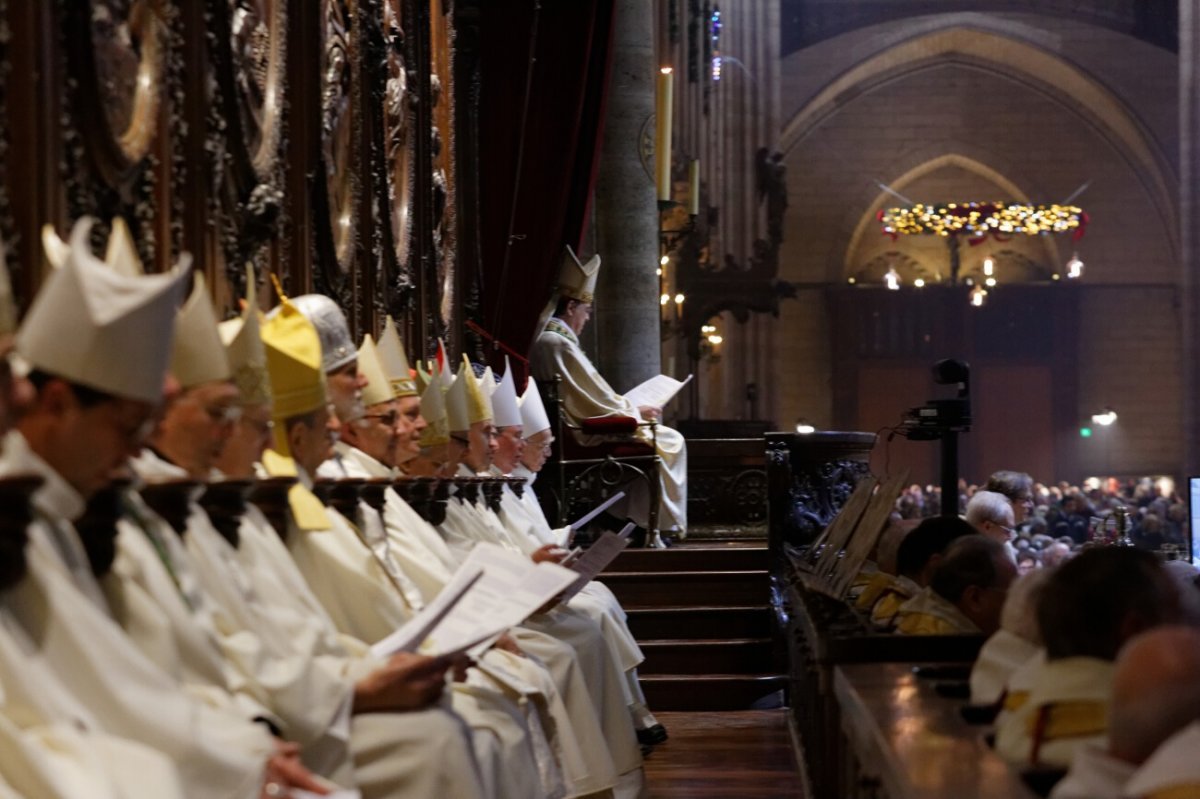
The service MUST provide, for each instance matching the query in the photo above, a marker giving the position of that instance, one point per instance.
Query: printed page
(408, 637)
(656, 392)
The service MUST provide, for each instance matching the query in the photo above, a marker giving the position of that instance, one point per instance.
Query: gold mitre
(370, 366)
(479, 402)
(244, 348)
(294, 364)
(198, 355)
(578, 281)
(395, 362)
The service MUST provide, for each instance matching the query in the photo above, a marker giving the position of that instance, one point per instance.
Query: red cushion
(573, 450)
(609, 425)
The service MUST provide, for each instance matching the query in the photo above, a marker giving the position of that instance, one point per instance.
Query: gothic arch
(991, 45)
(929, 159)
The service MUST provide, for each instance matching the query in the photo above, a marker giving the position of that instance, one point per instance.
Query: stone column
(1189, 217)
(626, 319)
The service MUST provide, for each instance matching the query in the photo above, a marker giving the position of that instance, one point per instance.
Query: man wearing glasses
(992, 515)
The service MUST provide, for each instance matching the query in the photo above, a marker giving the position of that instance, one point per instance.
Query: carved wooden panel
(316, 140)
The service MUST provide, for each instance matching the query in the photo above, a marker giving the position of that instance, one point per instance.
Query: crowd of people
(1092, 644)
(1055, 520)
(183, 654)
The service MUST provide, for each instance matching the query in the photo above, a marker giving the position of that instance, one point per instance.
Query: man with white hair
(992, 514)
(1155, 695)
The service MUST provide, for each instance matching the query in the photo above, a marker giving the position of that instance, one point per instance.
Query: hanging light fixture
(989, 267)
(1074, 266)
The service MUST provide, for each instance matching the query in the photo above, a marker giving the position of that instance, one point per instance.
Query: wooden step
(709, 691)
(691, 559)
(689, 588)
(752, 621)
(728, 656)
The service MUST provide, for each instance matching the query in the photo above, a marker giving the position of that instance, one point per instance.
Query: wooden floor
(745, 754)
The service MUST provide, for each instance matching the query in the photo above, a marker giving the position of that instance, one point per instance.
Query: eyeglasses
(223, 414)
(388, 419)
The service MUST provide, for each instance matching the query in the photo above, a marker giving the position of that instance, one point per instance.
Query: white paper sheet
(594, 512)
(408, 638)
(655, 392)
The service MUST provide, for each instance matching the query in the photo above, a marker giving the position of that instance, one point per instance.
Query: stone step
(728, 656)
(751, 621)
(692, 559)
(708, 692)
(689, 588)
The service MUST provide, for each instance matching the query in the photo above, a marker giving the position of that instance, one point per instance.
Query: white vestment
(584, 394)
(1067, 707)
(1094, 774)
(1001, 655)
(64, 614)
(467, 524)
(359, 595)
(412, 544)
(417, 753)
(1173, 769)
(51, 747)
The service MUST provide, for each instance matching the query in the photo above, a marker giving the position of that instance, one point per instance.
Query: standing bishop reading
(585, 394)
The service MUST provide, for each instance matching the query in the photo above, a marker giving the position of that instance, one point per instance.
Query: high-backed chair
(585, 475)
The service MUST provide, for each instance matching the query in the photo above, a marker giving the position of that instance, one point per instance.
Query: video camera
(939, 417)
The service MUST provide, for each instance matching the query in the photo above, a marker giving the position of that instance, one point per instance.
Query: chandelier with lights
(976, 222)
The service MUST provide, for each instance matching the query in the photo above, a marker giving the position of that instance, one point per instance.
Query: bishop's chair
(614, 459)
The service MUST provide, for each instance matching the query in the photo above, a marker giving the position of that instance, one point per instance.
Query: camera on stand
(942, 420)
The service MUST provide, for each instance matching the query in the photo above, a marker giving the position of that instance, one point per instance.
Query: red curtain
(535, 188)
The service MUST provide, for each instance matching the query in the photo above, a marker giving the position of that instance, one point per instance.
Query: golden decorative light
(983, 219)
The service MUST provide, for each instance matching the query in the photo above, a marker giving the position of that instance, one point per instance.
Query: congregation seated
(1088, 608)
(965, 593)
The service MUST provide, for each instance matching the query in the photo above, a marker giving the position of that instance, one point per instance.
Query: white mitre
(370, 365)
(108, 331)
(534, 418)
(395, 362)
(121, 253)
(578, 281)
(199, 355)
(506, 410)
(456, 398)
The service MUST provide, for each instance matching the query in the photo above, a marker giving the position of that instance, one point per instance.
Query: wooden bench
(903, 740)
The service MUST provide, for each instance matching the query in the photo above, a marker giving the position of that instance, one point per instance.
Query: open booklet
(655, 392)
(595, 559)
(493, 590)
(579, 523)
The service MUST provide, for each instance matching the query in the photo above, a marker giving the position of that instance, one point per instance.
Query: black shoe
(652, 735)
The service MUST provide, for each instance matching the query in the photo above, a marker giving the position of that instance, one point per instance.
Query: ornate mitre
(244, 348)
(370, 366)
(578, 281)
(395, 362)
